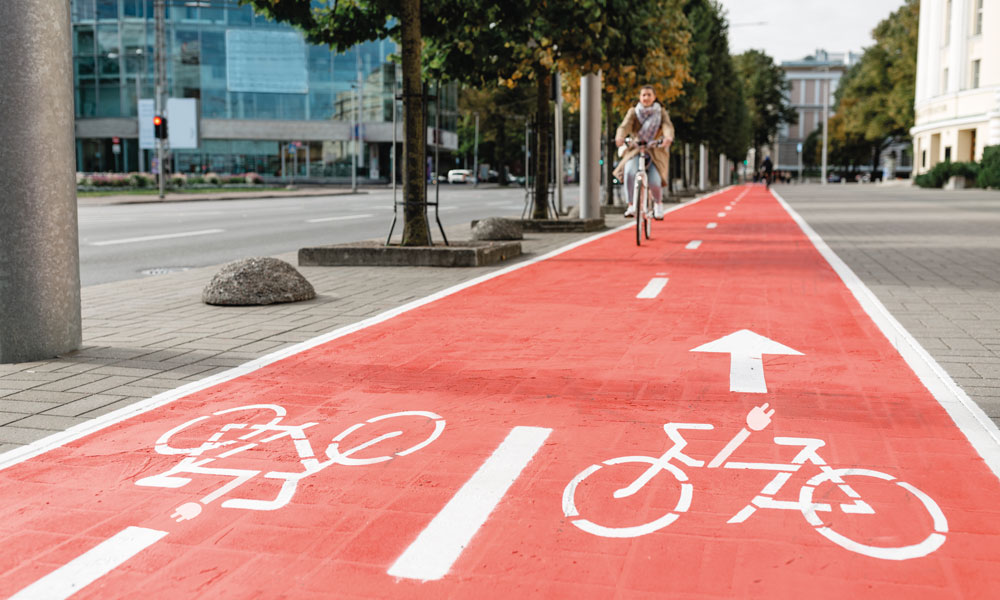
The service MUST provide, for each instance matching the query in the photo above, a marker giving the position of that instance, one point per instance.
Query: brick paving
(933, 259)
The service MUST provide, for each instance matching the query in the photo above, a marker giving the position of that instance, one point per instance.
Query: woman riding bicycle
(647, 121)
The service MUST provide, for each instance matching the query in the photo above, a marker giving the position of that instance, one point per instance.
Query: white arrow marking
(746, 369)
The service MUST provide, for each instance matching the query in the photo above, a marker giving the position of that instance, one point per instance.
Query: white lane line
(344, 218)
(721, 214)
(440, 544)
(165, 236)
(91, 565)
(970, 419)
(729, 208)
(693, 244)
(653, 288)
(711, 226)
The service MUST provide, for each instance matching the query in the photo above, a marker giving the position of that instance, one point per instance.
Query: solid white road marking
(165, 236)
(746, 369)
(91, 565)
(344, 218)
(711, 226)
(693, 244)
(653, 288)
(440, 544)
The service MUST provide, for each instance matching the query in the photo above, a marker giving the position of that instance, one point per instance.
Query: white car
(459, 176)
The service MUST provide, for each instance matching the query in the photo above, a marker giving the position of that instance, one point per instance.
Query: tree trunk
(544, 119)
(609, 152)
(415, 230)
(500, 153)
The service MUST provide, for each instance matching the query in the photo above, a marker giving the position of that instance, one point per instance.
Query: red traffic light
(159, 127)
(157, 120)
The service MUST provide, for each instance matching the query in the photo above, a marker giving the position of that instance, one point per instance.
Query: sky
(793, 29)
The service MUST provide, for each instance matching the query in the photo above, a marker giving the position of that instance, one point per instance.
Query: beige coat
(661, 156)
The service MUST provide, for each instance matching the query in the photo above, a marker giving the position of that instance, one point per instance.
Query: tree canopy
(766, 93)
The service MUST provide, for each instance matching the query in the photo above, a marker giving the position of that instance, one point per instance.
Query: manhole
(163, 270)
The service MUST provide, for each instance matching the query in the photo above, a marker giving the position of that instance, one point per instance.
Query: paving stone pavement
(147, 336)
(932, 257)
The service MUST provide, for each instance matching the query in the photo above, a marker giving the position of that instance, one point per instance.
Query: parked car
(459, 176)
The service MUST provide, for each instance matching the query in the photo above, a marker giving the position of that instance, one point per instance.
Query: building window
(977, 19)
(974, 74)
(923, 158)
(947, 154)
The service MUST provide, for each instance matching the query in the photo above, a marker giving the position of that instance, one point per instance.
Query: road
(120, 242)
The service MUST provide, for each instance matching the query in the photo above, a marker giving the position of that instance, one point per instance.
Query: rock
(495, 228)
(574, 213)
(256, 281)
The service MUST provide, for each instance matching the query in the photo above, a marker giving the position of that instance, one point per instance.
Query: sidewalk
(146, 336)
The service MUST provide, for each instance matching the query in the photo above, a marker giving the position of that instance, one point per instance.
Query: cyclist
(647, 121)
(767, 169)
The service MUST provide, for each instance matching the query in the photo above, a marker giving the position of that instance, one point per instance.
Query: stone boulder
(256, 281)
(495, 228)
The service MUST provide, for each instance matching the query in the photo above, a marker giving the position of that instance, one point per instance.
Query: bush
(253, 179)
(989, 168)
(213, 178)
(969, 170)
(936, 177)
(178, 180)
(234, 179)
(141, 180)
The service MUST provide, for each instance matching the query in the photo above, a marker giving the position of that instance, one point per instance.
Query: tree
(765, 89)
(501, 128)
(875, 97)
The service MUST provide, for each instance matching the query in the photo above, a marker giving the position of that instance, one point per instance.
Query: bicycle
(757, 419)
(194, 464)
(640, 190)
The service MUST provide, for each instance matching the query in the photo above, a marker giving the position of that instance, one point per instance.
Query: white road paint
(653, 288)
(150, 238)
(721, 214)
(343, 218)
(711, 226)
(693, 244)
(746, 368)
(729, 208)
(438, 546)
(91, 565)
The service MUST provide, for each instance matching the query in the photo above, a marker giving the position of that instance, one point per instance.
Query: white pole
(590, 146)
(702, 166)
(826, 118)
(558, 150)
(475, 155)
(722, 169)
(394, 142)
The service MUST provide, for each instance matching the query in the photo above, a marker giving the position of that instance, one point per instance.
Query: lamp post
(825, 86)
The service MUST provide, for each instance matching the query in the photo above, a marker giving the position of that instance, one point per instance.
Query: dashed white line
(711, 226)
(653, 288)
(721, 214)
(438, 546)
(729, 208)
(150, 238)
(344, 218)
(693, 244)
(91, 565)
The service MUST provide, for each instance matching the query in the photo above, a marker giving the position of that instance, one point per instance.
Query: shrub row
(985, 173)
(144, 180)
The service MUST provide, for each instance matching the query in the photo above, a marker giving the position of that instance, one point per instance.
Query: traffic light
(160, 127)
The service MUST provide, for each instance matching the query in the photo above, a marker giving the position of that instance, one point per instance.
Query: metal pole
(161, 83)
(826, 118)
(722, 171)
(702, 166)
(559, 144)
(39, 244)
(138, 96)
(394, 141)
(437, 145)
(295, 162)
(526, 130)
(357, 140)
(590, 146)
(475, 155)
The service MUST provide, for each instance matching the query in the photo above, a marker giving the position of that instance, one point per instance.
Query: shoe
(630, 211)
(658, 211)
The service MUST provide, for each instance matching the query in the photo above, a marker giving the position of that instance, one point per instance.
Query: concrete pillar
(702, 166)
(722, 170)
(590, 146)
(39, 254)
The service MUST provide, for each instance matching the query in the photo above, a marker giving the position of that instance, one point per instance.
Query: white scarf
(650, 118)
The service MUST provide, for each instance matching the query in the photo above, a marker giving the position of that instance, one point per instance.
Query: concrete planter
(372, 254)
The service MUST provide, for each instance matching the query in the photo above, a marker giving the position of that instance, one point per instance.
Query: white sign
(266, 61)
(182, 122)
(147, 138)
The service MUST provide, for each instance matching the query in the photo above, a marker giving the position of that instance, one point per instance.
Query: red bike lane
(596, 424)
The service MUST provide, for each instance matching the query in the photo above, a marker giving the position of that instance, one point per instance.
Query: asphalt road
(127, 241)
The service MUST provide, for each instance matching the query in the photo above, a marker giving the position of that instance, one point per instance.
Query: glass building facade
(268, 101)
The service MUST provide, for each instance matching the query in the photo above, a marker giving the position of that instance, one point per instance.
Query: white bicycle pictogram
(757, 419)
(196, 462)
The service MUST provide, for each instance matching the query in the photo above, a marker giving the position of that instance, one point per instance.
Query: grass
(155, 191)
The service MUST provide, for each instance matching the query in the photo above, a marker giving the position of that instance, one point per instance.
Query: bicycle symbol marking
(194, 464)
(757, 419)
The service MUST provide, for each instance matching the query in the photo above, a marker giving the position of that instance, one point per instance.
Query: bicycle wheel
(570, 510)
(647, 220)
(334, 453)
(206, 436)
(929, 544)
(640, 209)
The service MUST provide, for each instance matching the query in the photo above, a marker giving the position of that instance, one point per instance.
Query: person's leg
(631, 168)
(655, 191)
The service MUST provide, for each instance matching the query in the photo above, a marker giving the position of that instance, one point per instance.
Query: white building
(957, 105)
